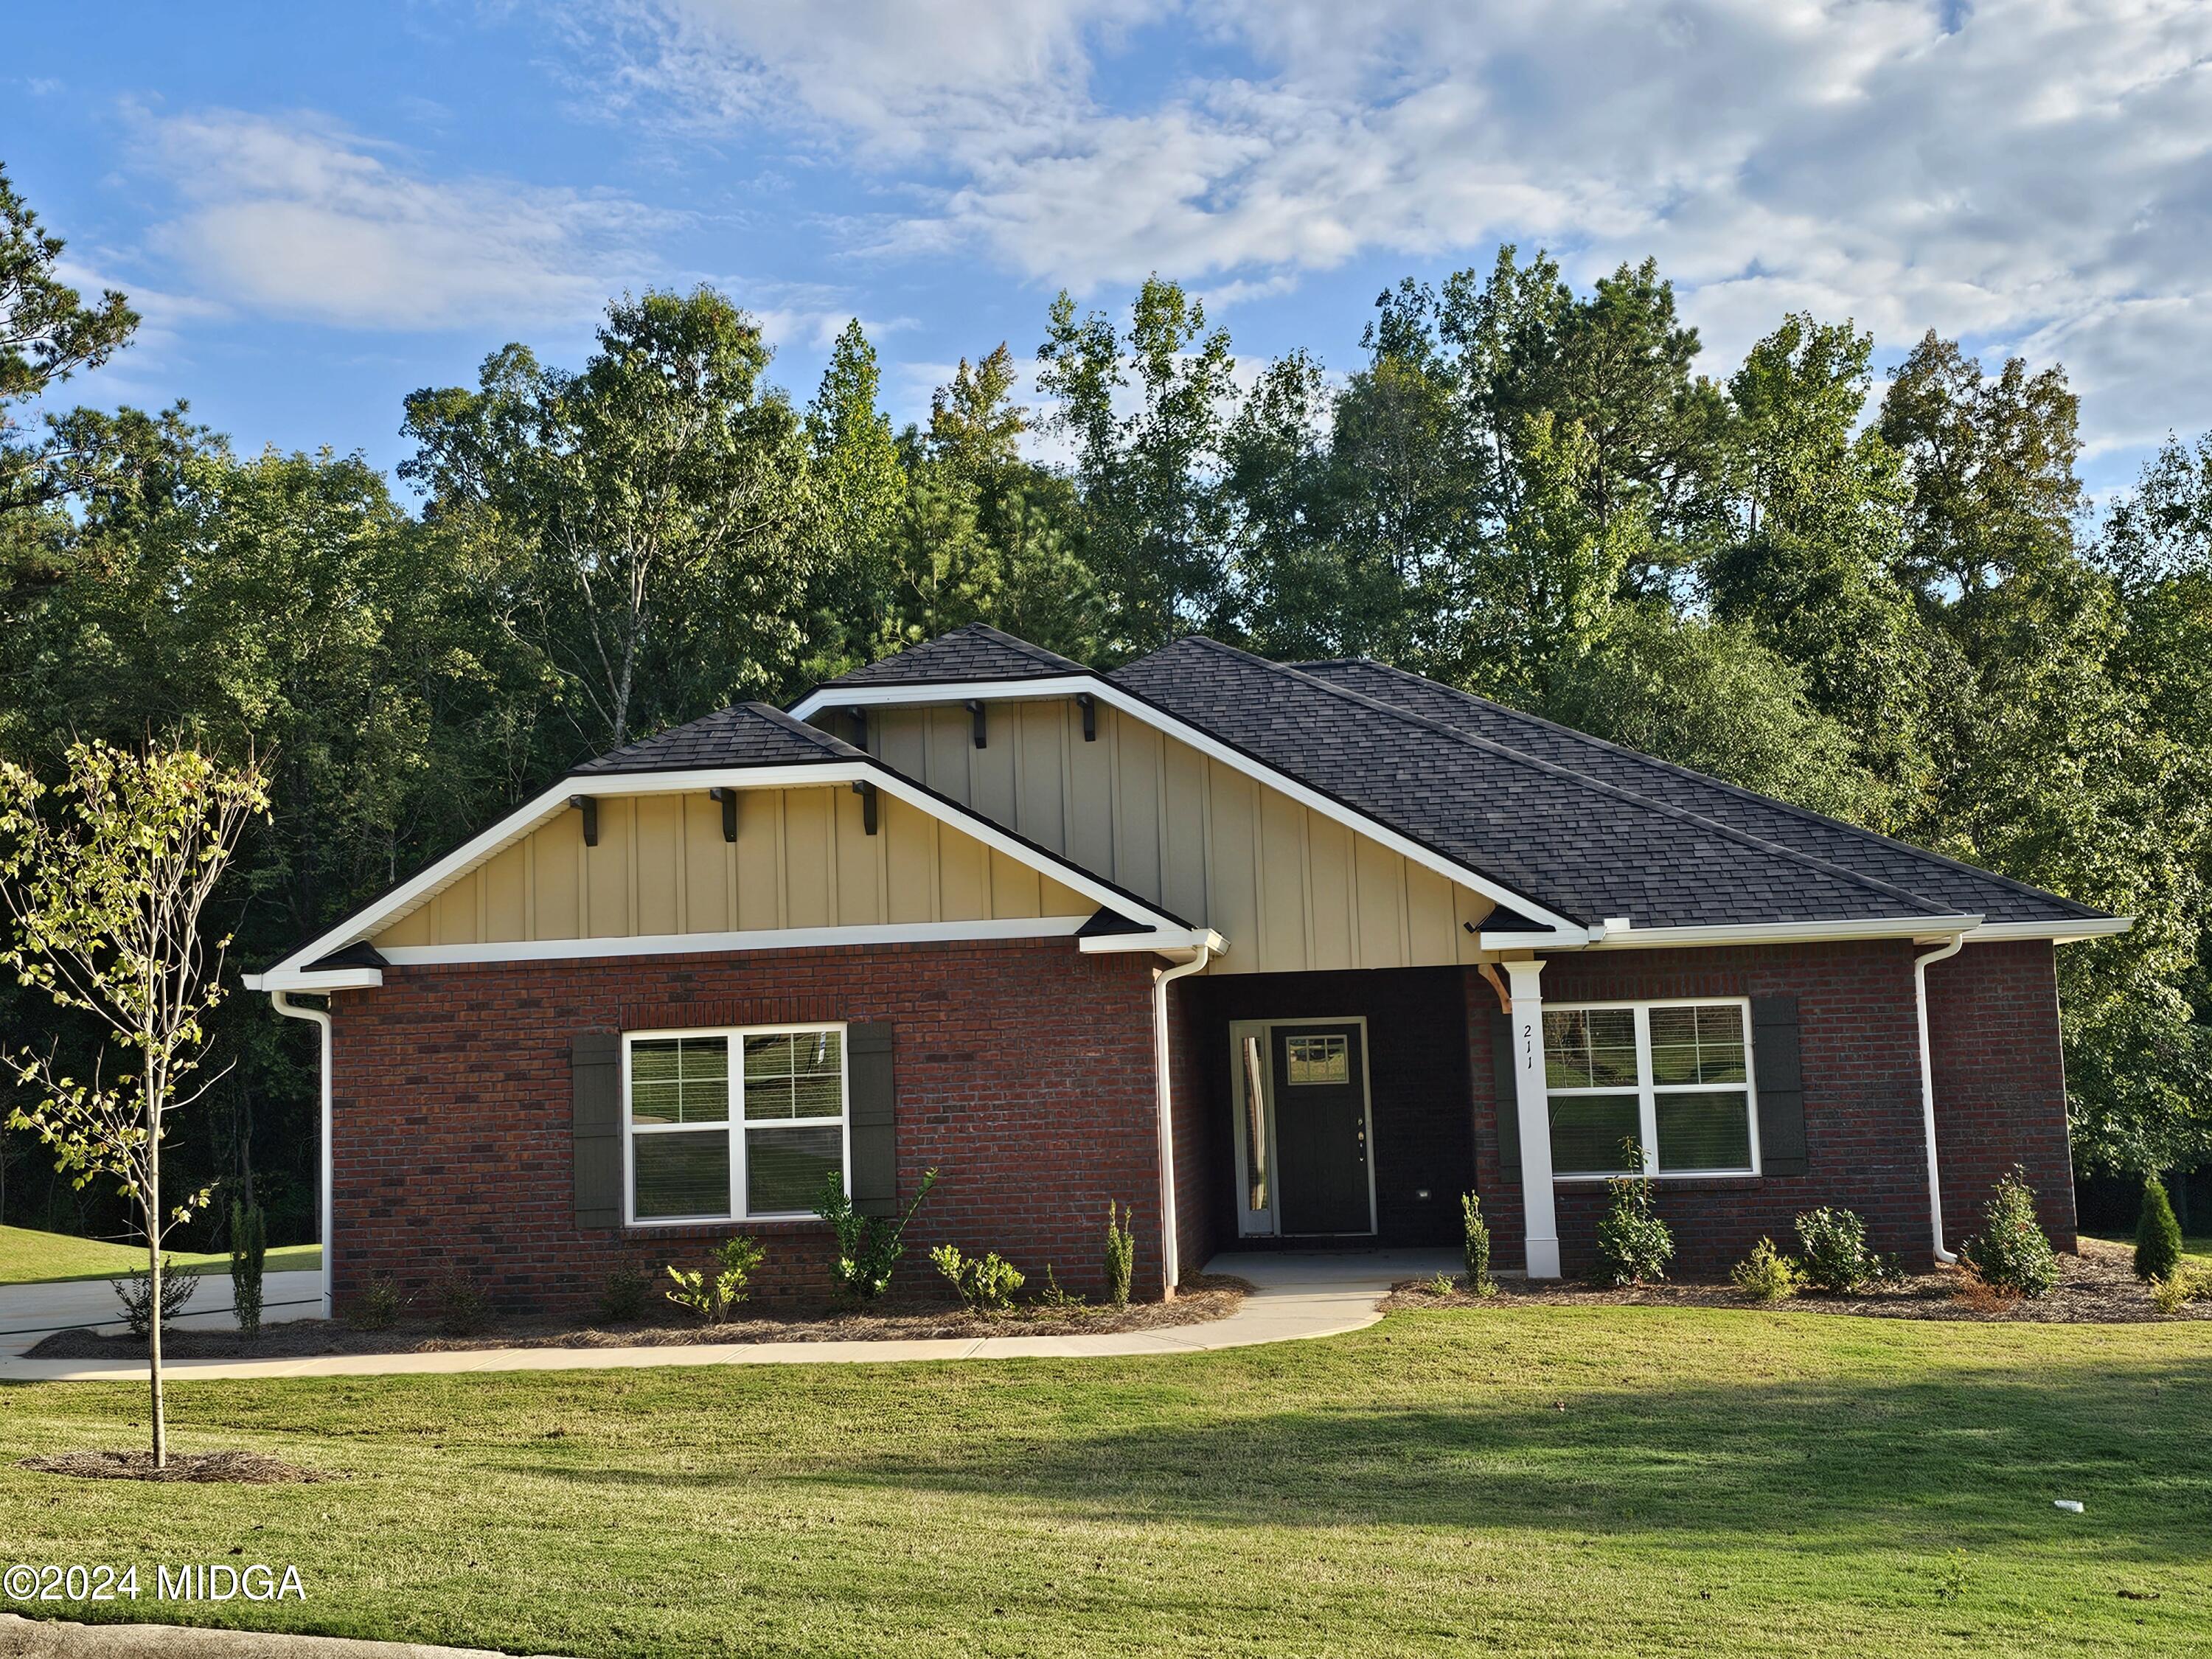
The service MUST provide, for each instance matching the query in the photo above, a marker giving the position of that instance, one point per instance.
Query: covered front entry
(1337, 1110)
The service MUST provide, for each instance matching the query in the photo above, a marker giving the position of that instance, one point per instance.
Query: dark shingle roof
(1580, 828)
(1958, 887)
(744, 734)
(977, 652)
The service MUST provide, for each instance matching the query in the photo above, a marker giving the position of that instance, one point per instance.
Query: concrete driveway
(29, 1312)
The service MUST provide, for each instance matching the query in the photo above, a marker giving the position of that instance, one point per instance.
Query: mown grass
(2197, 1244)
(28, 1257)
(1513, 1481)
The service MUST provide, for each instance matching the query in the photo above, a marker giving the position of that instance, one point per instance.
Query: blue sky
(318, 209)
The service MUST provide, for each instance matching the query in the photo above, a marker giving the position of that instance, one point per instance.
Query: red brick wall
(2000, 1083)
(1024, 1075)
(1196, 1163)
(2000, 1094)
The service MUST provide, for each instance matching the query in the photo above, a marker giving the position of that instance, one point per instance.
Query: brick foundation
(1024, 1075)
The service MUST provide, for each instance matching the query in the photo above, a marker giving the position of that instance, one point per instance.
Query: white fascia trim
(1168, 941)
(765, 939)
(1777, 933)
(286, 975)
(2058, 932)
(296, 979)
(1070, 685)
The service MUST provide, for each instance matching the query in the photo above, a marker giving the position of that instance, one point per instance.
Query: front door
(1320, 1130)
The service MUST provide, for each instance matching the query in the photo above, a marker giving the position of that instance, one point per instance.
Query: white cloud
(303, 219)
(2030, 174)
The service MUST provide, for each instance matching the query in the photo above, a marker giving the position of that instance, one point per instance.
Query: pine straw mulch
(1200, 1301)
(2097, 1287)
(233, 1468)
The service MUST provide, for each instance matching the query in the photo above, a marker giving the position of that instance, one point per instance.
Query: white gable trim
(289, 975)
(1071, 685)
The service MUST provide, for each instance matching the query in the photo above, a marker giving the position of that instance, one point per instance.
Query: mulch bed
(1200, 1301)
(233, 1468)
(2097, 1287)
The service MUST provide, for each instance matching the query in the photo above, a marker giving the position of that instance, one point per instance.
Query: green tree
(109, 893)
(658, 507)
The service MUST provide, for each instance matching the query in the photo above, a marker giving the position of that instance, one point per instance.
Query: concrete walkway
(1296, 1295)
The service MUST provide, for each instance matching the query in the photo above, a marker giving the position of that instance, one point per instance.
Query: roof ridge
(1665, 808)
(1739, 790)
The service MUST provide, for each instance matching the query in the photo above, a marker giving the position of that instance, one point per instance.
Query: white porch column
(1536, 1209)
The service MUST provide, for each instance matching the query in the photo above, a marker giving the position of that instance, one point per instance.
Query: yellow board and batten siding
(803, 858)
(1291, 888)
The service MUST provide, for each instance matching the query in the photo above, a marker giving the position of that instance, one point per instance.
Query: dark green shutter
(595, 1059)
(875, 1141)
(1774, 1059)
(1505, 1084)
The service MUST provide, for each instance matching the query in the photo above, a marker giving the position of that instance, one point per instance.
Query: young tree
(109, 893)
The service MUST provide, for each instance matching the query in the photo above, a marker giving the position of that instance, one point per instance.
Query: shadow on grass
(1964, 1457)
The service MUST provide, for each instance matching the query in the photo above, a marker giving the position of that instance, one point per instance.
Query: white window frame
(736, 1124)
(1648, 1092)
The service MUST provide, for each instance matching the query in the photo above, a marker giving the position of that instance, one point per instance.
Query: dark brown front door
(1320, 1129)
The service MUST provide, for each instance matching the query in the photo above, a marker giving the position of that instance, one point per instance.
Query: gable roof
(1943, 881)
(1591, 830)
(977, 652)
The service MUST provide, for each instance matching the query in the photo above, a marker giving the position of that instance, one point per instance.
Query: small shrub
(622, 1298)
(377, 1307)
(1442, 1284)
(2189, 1281)
(2158, 1235)
(1053, 1296)
(868, 1247)
(1475, 1244)
(135, 1290)
(1765, 1275)
(1976, 1295)
(2010, 1253)
(986, 1283)
(249, 1250)
(1835, 1257)
(1633, 1244)
(463, 1308)
(713, 1292)
(1121, 1254)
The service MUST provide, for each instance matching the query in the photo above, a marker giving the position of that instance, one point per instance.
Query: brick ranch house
(1280, 955)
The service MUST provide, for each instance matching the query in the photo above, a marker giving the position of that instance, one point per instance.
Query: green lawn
(35, 1258)
(1524, 1480)
(2194, 1244)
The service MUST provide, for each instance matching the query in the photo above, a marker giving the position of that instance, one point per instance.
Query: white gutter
(1928, 1089)
(321, 1016)
(1170, 1255)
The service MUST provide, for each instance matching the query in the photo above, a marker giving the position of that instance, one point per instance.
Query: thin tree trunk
(153, 1203)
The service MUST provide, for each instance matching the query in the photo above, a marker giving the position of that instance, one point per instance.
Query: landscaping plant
(2010, 1253)
(2158, 1235)
(463, 1308)
(249, 1250)
(1120, 1254)
(622, 1298)
(377, 1307)
(1475, 1244)
(135, 1290)
(1835, 1257)
(713, 1292)
(1633, 1244)
(867, 1247)
(2189, 1281)
(1766, 1275)
(985, 1284)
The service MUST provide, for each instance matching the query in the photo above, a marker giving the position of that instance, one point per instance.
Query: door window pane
(680, 1080)
(1589, 1049)
(1317, 1060)
(1588, 1133)
(1696, 1045)
(1705, 1129)
(681, 1175)
(785, 1168)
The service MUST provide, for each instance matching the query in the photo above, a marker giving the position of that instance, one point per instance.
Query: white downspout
(321, 1016)
(1171, 1256)
(1928, 1089)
